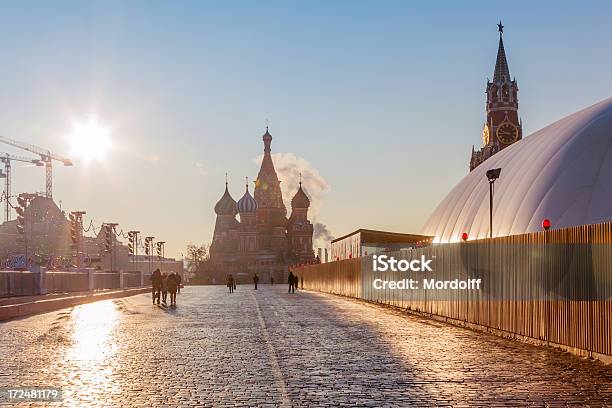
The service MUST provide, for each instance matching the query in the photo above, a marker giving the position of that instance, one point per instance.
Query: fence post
(142, 280)
(42, 281)
(91, 273)
(9, 283)
(121, 279)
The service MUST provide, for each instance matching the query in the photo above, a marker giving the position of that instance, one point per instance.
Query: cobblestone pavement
(270, 348)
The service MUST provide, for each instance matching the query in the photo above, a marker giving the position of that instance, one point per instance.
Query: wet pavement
(271, 348)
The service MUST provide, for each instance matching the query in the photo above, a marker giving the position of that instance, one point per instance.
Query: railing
(59, 282)
(554, 286)
(18, 283)
(24, 283)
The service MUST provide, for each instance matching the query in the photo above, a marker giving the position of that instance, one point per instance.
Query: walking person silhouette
(230, 283)
(291, 282)
(156, 281)
(179, 280)
(164, 287)
(173, 283)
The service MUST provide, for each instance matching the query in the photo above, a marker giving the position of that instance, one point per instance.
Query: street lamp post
(149, 252)
(113, 246)
(492, 175)
(24, 200)
(77, 224)
(161, 253)
(134, 242)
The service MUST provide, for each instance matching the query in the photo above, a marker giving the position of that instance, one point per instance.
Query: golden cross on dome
(300, 179)
(226, 178)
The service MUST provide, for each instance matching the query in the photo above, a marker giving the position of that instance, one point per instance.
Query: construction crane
(46, 157)
(7, 159)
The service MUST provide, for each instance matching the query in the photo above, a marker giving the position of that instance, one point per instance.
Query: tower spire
(267, 186)
(502, 72)
(267, 139)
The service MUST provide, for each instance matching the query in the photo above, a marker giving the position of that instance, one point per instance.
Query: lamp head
(493, 174)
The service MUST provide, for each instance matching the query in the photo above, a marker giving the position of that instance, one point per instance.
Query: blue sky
(384, 99)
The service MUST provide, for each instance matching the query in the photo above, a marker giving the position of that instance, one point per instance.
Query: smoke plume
(288, 168)
(321, 233)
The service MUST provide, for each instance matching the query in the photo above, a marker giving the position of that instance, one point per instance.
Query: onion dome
(226, 205)
(267, 138)
(300, 199)
(247, 203)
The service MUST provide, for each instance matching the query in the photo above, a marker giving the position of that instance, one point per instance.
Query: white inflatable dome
(562, 172)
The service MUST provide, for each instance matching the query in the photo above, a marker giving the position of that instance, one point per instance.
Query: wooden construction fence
(553, 286)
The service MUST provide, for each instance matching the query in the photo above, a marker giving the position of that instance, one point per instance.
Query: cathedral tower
(503, 126)
(300, 229)
(225, 235)
(271, 214)
(247, 206)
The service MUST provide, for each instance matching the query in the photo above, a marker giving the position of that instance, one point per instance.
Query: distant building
(264, 240)
(48, 238)
(503, 126)
(47, 231)
(364, 242)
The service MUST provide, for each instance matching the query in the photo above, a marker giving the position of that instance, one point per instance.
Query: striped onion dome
(226, 205)
(300, 199)
(247, 203)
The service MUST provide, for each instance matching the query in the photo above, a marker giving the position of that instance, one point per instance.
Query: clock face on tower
(507, 133)
(486, 135)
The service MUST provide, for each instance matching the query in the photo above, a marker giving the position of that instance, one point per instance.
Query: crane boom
(45, 156)
(43, 153)
(12, 157)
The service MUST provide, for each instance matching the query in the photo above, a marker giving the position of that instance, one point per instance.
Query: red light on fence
(464, 236)
(546, 224)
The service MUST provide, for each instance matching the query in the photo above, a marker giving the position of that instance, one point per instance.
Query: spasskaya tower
(503, 126)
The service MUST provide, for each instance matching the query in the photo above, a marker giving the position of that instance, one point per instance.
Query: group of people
(163, 283)
(293, 282)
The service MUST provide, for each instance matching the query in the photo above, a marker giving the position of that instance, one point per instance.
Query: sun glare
(90, 140)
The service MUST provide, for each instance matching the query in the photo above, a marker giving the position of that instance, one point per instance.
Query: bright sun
(90, 140)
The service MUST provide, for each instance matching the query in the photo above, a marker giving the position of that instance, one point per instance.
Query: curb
(8, 312)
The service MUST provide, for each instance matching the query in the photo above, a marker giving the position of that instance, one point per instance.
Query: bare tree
(197, 256)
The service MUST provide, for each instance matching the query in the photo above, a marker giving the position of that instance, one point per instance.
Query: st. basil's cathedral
(263, 240)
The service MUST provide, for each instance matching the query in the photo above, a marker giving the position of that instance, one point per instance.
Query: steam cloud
(288, 168)
(322, 233)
